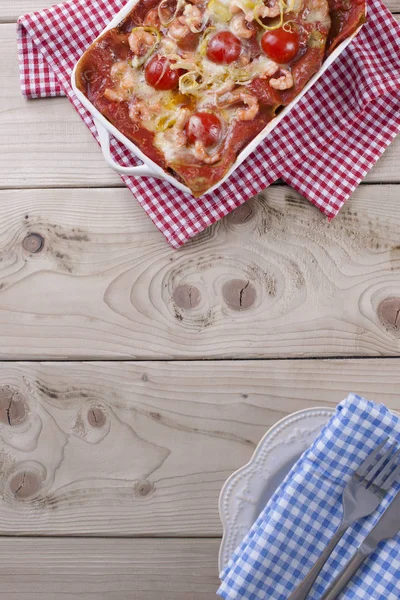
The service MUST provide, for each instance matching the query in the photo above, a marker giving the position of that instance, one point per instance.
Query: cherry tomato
(159, 74)
(203, 127)
(280, 45)
(223, 48)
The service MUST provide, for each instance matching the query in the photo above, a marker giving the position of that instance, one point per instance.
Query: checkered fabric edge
(323, 148)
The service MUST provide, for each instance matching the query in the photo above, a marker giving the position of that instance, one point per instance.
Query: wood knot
(242, 214)
(155, 415)
(13, 408)
(33, 243)
(25, 484)
(186, 296)
(239, 294)
(96, 416)
(143, 487)
(389, 313)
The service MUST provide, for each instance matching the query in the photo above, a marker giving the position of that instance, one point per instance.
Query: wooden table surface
(115, 434)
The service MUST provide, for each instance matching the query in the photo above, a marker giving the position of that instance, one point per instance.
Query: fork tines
(382, 471)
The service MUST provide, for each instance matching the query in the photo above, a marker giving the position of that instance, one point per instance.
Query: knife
(386, 528)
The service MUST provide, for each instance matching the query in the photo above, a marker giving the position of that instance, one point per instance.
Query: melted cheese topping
(319, 12)
(158, 111)
(168, 143)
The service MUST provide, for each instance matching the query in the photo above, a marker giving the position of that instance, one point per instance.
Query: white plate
(247, 491)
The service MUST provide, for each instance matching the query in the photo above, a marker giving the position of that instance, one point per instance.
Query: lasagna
(192, 82)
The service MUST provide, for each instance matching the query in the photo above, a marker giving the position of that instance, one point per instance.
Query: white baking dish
(150, 168)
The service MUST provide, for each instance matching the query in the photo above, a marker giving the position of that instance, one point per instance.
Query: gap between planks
(142, 450)
(199, 360)
(126, 538)
(108, 186)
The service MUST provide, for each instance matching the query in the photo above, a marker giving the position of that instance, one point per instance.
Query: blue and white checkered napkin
(301, 517)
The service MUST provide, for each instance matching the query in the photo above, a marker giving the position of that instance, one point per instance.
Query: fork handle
(302, 590)
(344, 577)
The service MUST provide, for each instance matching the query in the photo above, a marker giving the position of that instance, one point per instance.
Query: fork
(360, 498)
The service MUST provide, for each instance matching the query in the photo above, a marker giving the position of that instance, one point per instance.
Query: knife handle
(344, 577)
(302, 590)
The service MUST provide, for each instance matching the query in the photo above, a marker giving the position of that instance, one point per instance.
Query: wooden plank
(49, 146)
(275, 279)
(47, 143)
(10, 11)
(81, 569)
(143, 449)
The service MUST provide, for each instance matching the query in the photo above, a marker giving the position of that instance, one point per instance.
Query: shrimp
(190, 21)
(168, 46)
(260, 11)
(182, 118)
(202, 155)
(176, 134)
(192, 17)
(225, 88)
(152, 18)
(237, 7)
(140, 41)
(124, 77)
(140, 111)
(251, 102)
(269, 68)
(114, 95)
(283, 82)
(263, 12)
(244, 59)
(239, 28)
(178, 30)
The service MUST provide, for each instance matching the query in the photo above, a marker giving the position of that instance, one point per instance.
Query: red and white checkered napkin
(323, 148)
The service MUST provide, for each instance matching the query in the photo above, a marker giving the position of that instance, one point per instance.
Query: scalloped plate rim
(279, 425)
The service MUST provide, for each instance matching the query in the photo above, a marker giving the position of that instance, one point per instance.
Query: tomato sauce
(94, 77)
(346, 17)
(205, 176)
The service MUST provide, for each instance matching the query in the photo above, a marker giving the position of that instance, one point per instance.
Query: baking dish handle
(104, 137)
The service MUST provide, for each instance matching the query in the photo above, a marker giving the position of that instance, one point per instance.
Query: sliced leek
(219, 12)
(138, 61)
(240, 76)
(189, 84)
(165, 122)
(181, 63)
(282, 6)
(287, 26)
(163, 5)
(204, 40)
